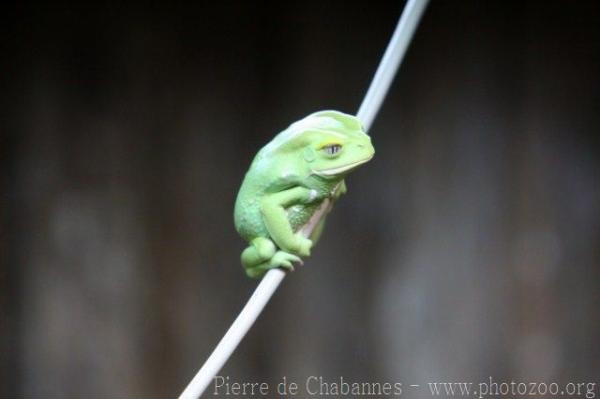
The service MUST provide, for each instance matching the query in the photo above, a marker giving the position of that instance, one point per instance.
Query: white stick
(235, 334)
(368, 110)
(413, 11)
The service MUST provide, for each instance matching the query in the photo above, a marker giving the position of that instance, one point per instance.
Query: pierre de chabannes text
(319, 386)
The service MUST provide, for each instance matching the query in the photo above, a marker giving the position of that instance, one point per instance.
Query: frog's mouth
(341, 169)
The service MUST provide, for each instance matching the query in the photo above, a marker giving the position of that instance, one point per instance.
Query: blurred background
(469, 247)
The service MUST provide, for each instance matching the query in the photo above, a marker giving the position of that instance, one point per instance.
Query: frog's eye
(332, 149)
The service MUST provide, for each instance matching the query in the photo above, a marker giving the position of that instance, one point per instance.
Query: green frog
(292, 184)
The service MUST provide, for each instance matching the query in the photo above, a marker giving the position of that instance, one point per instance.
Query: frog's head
(330, 143)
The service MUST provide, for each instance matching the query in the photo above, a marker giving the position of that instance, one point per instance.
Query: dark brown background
(468, 248)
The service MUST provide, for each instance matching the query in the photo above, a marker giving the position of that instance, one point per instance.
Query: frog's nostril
(361, 146)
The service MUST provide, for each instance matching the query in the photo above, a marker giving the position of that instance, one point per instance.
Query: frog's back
(247, 216)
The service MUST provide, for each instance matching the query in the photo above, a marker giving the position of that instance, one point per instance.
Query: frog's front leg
(340, 190)
(318, 230)
(273, 209)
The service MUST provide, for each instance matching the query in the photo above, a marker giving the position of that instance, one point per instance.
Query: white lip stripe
(333, 171)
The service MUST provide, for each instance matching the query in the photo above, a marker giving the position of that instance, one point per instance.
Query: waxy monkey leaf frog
(292, 183)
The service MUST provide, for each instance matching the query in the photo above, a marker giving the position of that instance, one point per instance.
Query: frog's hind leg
(262, 255)
(260, 250)
(280, 259)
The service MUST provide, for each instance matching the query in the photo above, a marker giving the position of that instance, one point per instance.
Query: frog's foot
(285, 260)
(282, 259)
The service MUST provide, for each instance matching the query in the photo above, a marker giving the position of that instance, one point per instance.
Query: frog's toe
(256, 272)
(287, 265)
(281, 259)
(285, 260)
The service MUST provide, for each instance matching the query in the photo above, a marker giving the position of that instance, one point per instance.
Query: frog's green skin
(292, 181)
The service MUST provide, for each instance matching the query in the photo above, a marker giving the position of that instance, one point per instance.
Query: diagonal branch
(378, 89)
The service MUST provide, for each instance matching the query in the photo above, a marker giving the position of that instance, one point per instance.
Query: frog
(291, 186)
